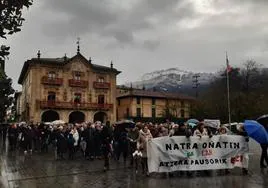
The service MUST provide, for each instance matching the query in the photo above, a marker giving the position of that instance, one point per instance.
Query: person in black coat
(264, 155)
(122, 145)
(4, 132)
(61, 143)
(12, 136)
(44, 137)
(27, 139)
(89, 137)
(106, 138)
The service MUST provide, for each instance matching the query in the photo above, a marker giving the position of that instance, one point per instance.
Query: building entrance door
(49, 116)
(76, 117)
(100, 116)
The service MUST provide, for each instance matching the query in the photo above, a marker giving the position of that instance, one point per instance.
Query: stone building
(147, 104)
(71, 89)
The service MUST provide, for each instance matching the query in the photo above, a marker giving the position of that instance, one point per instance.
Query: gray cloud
(151, 44)
(145, 35)
(106, 19)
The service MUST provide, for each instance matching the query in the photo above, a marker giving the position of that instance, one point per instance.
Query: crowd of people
(101, 141)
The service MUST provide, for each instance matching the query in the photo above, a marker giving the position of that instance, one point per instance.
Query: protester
(242, 132)
(12, 136)
(62, 143)
(144, 137)
(264, 155)
(27, 139)
(106, 139)
(133, 136)
(89, 137)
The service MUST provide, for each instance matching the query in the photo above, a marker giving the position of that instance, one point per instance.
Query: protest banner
(178, 153)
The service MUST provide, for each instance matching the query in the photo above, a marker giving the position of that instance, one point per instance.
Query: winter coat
(76, 138)
(142, 142)
(183, 132)
(197, 132)
(62, 143)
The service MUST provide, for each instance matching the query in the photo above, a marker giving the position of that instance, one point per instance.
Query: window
(101, 99)
(153, 101)
(77, 76)
(51, 97)
(101, 79)
(182, 104)
(51, 75)
(153, 113)
(77, 98)
(138, 112)
(182, 113)
(138, 100)
(118, 102)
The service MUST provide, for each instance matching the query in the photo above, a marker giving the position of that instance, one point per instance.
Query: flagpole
(228, 89)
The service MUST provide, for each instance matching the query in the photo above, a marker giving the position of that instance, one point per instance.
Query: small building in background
(141, 104)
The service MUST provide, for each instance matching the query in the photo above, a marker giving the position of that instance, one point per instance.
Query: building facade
(71, 89)
(145, 104)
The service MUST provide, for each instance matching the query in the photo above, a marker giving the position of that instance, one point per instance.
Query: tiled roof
(61, 62)
(154, 94)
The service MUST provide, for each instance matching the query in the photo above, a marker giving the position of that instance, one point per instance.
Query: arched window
(51, 75)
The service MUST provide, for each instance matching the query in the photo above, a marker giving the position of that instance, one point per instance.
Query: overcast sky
(141, 36)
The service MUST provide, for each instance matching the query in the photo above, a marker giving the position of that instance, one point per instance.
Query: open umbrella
(264, 121)
(192, 125)
(256, 131)
(58, 122)
(126, 124)
(194, 121)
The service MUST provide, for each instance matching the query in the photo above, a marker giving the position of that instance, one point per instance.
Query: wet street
(41, 170)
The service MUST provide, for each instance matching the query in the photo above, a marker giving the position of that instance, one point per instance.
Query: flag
(228, 67)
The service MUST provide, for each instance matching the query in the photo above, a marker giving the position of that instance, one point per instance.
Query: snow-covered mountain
(173, 79)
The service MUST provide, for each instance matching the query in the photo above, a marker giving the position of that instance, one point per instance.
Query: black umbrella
(125, 124)
(263, 120)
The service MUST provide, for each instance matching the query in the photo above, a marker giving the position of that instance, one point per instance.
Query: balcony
(101, 85)
(78, 83)
(51, 81)
(72, 105)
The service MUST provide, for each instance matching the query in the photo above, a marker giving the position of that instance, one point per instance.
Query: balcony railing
(73, 105)
(52, 81)
(101, 85)
(78, 83)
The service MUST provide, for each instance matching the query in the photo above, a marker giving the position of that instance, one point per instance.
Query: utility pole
(196, 84)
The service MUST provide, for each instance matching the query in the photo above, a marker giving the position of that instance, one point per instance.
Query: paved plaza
(41, 170)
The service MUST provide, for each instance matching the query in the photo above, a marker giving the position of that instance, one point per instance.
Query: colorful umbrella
(256, 131)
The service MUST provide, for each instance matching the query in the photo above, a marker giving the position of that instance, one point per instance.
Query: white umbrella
(58, 122)
(22, 123)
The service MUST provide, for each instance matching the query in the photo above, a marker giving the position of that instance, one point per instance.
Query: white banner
(178, 153)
